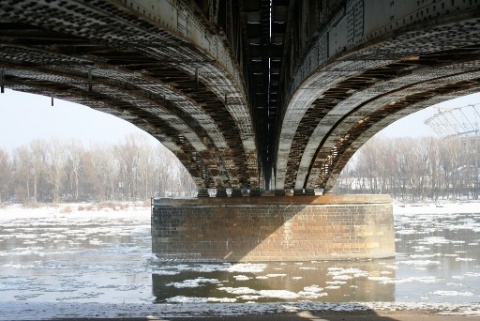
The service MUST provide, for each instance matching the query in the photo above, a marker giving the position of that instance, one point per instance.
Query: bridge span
(252, 96)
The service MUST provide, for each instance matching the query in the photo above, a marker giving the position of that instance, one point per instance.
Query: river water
(54, 255)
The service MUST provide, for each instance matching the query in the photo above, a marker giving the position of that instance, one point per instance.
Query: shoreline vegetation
(409, 169)
(60, 171)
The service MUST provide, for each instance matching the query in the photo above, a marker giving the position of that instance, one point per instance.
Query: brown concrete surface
(264, 229)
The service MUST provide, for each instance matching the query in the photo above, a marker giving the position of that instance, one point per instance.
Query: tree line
(59, 171)
(415, 168)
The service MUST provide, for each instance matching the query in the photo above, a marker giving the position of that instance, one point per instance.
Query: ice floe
(422, 230)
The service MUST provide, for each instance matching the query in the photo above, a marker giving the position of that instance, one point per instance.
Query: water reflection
(340, 281)
(106, 257)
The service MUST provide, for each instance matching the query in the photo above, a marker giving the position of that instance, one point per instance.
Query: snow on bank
(123, 209)
(42, 311)
(76, 210)
(440, 207)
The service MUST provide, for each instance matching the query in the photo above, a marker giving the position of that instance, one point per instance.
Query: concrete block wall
(300, 228)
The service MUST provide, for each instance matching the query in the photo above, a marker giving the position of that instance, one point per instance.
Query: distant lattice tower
(456, 121)
(462, 123)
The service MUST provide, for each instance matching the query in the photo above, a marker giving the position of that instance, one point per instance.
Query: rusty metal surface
(336, 106)
(102, 54)
(252, 91)
(298, 200)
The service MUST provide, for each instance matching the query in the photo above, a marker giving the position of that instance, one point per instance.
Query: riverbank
(461, 206)
(250, 311)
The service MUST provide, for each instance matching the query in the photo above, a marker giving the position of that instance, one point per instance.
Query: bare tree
(56, 170)
(5, 175)
(38, 150)
(128, 154)
(100, 166)
(23, 173)
(56, 157)
(450, 151)
(73, 154)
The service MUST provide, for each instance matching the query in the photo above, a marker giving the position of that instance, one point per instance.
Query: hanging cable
(2, 81)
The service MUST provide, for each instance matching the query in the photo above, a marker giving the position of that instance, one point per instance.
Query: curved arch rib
(320, 103)
(148, 57)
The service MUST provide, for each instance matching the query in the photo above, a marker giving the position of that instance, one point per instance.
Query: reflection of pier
(346, 281)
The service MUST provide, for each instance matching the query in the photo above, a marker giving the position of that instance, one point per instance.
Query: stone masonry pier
(299, 228)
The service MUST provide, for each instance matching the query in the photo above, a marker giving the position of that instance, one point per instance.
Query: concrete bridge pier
(300, 228)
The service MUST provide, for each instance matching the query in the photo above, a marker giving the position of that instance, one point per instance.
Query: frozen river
(69, 254)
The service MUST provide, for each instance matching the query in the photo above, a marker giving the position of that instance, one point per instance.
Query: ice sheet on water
(413, 279)
(452, 293)
(186, 299)
(247, 268)
(421, 279)
(241, 277)
(213, 267)
(221, 300)
(17, 284)
(339, 273)
(23, 297)
(464, 259)
(311, 295)
(406, 232)
(420, 248)
(237, 290)
(249, 298)
(382, 279)
(419, 262)
(164, 272)
(279, 294)
(432, 240)
(424, 256)
(245, 293)
(335, 282)
(17, 266)
(192, 283)
(312, 288)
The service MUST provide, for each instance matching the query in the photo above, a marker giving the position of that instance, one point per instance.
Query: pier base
(247, 229)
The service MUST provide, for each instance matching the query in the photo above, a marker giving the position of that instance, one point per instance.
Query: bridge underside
(103, 55)
(346, 90)
(249, 95)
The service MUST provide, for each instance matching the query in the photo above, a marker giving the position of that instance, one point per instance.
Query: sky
(25, 117)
